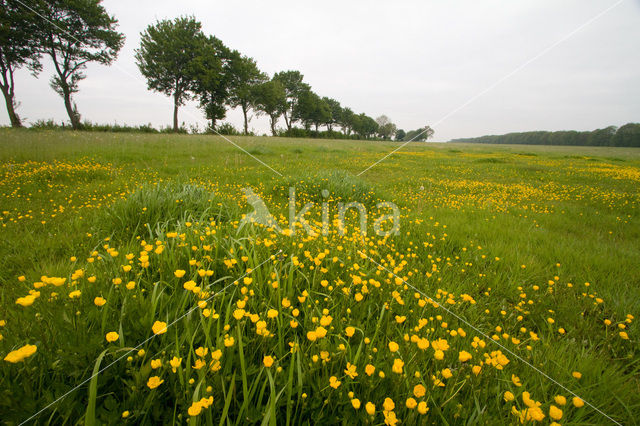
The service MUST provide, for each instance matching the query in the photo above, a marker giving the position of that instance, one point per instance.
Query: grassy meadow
(509, 295)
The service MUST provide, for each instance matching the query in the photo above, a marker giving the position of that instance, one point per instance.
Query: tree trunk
(10, 102)
(246, 123)
(71, 111)
(287, 121)
(273, 125)
(176, 105)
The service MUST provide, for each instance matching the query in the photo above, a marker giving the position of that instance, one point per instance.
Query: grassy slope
(527, 205)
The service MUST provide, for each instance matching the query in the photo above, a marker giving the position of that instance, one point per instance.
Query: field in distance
(126, 255)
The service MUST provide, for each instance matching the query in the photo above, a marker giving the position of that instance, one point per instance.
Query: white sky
(414, 61)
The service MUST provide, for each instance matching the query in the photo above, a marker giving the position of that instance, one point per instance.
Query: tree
(400, 134)
(421, 134)
(304, 108)
(18, 47)
(602, 137)
(212, 78)
(386, 128)
(365, 126)
(336, 112)
(311, 109)
(347, 118)
(294, 87)
(245, 76)
(382, 120)
(270, 98)
(168, 58)
(627, 135)
(74, 33)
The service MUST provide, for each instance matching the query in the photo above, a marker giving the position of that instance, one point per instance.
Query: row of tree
(182, 62)
(175, 57)
(627, 135)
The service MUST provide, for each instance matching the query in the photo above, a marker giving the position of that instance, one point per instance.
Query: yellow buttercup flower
(20, 354)
(334, 382)
(154, 382)
(423, 408)
(371, 408)
(175, 363)
(25, 301)
(267, 361)
(516, 380)
(99, 301)
(159, 327)
(321, 332)
(411, 403)
(112, 336)
(398, 364)
(388, 404)
(555, 413)
(202, 352)
(351, 370)
(464, 356)
(369, 369)
(195, 409)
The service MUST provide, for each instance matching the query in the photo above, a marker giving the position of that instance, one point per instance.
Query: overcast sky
(415, 61)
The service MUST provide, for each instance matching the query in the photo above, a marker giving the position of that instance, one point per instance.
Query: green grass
(504, 237)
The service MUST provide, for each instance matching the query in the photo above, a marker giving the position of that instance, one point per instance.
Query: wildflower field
(131, 290)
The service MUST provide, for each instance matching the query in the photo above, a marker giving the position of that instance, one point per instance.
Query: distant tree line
(182, 62)
(627, 135)
(178, 60)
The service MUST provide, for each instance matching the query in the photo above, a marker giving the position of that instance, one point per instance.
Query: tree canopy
(245, 76)
(627, 135)
(170, 58)
(75, 33)
(270, 98)
(294, 87)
